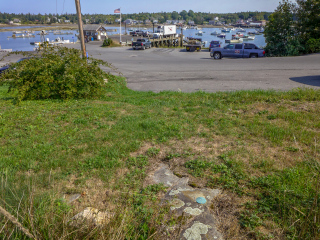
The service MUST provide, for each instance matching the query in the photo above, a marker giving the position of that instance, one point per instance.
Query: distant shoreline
(35, 27)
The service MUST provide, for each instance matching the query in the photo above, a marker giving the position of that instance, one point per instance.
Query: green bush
(107, 42)
(55, 73)
(313, 45)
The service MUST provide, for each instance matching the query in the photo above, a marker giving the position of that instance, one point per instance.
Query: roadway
(159, 69)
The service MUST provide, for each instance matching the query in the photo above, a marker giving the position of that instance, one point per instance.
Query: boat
(236, 40)
(239, 34)
(221, 35)
(247, 37)
(199, 33)
(252, 33)
(215, 33)
(184, 28)
(27, 35)
(241, 30)
(226, 30)
(43, 32)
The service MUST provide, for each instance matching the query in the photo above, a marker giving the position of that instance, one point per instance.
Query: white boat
(59, 41)
(236, 40)
(215, 33)
(241, 30)
(247, 37)
(27, 35)
(184, 28)
(225, 30)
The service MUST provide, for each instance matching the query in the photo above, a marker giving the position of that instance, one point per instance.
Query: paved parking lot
(159, 69)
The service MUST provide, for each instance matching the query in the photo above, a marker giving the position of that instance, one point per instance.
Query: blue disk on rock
(201, 200)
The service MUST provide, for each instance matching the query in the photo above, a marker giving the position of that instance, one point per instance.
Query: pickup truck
(142, 43)
(237, 50)
(194, 44)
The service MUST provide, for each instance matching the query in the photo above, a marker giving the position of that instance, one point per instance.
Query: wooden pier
(165, 42)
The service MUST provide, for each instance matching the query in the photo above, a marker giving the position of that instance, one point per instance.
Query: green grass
(262, 146)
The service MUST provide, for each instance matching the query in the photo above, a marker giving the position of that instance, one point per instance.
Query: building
(97, 32)
(191, 23)
(128, 21)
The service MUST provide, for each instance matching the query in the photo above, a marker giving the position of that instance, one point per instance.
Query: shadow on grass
(308, 80)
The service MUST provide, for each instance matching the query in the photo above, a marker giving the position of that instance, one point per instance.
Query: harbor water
(23, 44)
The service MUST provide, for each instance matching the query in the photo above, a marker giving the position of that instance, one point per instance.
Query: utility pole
(83, 47)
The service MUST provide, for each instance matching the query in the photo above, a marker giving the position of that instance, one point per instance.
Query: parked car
(136, 33)
(214, 44)
(157, 35)
(147, 34)
(240, 50)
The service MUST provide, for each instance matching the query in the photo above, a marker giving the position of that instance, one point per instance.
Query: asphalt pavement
(160, 69)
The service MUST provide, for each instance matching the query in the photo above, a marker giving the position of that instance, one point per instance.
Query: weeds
(260, 146)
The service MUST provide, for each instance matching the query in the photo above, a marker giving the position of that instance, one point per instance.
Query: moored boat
(215, 33)
(221, 35)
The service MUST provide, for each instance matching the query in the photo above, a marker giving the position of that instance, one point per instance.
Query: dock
(155, 42)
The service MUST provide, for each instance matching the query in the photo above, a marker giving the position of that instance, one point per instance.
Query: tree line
(294, 28)
(197, 17)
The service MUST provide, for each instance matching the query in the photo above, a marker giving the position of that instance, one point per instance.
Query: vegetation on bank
(293, 29)
(260, 147)
(197, 17)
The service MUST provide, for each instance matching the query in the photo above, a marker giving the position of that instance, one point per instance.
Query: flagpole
(120, 25)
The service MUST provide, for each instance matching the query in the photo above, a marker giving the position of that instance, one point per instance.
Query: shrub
(56, 73)
(107, 42)
(313, 45)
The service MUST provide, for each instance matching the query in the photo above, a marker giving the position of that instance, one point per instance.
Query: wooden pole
(181, 37)
(83, 47)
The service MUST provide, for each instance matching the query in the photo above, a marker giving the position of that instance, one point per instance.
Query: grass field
(260, 147)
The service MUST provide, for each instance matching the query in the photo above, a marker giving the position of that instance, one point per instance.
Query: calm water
(23, 44)
(206, 36)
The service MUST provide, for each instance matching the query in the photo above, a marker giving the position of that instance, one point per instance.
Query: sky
(136, 6)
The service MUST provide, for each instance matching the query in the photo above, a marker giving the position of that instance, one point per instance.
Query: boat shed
(97, 32)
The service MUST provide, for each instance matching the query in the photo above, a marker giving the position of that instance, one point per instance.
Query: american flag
(117, 10)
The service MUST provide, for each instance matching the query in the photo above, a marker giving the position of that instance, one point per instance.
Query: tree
(280, 33)
(308, 22)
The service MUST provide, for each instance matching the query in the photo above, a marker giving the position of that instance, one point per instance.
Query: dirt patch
(226, 208)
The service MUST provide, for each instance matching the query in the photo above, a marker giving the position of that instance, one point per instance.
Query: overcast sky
(136, 6)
